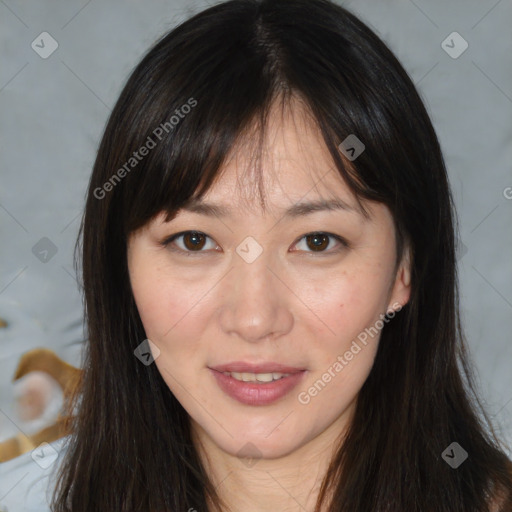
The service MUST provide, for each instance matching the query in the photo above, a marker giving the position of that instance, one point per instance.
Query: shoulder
(500, 500)
(27, 482)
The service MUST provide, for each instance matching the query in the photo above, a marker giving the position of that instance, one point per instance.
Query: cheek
(342, 355)
(349, 303)
(165, 303)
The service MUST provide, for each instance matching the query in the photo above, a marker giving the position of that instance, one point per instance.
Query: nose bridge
(254, 300)
(254, 278)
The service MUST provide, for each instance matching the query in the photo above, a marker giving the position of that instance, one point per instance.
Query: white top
(27, 482)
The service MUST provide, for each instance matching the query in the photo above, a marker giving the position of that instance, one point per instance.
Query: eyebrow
(296, 210)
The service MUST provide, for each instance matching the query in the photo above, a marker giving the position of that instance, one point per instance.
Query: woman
(270, 283)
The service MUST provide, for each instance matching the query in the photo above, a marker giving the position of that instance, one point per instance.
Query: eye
(189, 242)
(320, 241)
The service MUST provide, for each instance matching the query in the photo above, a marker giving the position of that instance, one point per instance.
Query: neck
(289, 483)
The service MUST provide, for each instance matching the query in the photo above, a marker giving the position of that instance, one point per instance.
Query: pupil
(319, 241)
(194, 240)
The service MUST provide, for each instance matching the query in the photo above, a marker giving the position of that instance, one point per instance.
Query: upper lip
(244, 367)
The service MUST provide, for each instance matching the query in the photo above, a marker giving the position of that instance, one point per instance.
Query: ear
(401, 289)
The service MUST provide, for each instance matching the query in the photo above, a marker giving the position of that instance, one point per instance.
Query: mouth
(253, 368)
(256, 377)
(260, 384)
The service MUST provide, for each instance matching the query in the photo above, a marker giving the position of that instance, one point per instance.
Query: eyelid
(166, 242)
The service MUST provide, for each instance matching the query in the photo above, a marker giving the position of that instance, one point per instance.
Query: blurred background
(63, 66)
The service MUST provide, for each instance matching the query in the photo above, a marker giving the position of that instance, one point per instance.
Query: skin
(292, 305)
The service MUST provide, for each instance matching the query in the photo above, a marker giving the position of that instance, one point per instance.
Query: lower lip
(251, 393)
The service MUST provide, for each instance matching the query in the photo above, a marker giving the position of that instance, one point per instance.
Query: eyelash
(169, 240)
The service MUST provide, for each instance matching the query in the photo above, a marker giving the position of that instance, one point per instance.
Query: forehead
(284, 164)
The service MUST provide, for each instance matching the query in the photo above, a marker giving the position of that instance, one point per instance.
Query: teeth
(256, 377)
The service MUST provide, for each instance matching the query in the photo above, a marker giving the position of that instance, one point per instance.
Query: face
(268, 319)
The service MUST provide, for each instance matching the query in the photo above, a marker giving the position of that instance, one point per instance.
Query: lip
(251, 393)
(243, 367)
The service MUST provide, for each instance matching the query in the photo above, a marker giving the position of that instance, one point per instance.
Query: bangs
(195, 102)
(190, 160)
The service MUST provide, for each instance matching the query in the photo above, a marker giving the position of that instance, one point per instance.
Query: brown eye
(320, 243)
(194, 241)
(317, 241)
(190, 242)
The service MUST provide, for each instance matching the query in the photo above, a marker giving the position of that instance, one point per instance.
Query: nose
(256, 302)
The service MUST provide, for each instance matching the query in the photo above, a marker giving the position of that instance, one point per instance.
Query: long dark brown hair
(189, 102)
